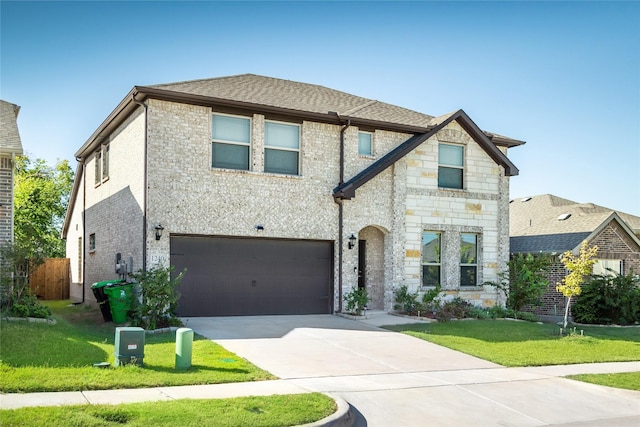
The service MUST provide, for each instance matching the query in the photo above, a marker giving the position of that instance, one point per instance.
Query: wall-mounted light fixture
(352, 241)
(159, 228)
(259, 227)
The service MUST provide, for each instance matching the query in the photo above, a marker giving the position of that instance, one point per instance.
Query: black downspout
(146, 192)
(341, 217)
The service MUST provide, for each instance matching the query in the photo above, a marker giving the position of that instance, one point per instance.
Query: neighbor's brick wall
(6, 200)
(114, 208)
(613, 243)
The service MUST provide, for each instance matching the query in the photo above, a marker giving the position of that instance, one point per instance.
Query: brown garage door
(248, 277)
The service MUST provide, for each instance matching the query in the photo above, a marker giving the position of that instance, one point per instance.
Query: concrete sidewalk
(332, 384)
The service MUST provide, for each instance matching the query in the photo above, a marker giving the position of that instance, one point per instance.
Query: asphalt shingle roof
(535, 224)
(9, 135)
(282, 93)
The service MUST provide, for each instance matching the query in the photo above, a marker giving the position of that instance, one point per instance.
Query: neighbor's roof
(9, 135)
(270, 95)
(548, 223)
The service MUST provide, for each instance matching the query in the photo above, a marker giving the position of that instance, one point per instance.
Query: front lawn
(288, 410)
(40, 357)
(511, 343)
(627, 380)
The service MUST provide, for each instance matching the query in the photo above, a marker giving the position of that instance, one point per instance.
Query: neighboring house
(280, 197)
(554, 225)
(10, 146)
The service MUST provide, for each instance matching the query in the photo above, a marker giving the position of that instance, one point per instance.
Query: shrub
(156, 304)
(526, 280)
(405, 301)
(431, 299)
(457, 308)
(356, 300)
(16, 263)
(609, 300)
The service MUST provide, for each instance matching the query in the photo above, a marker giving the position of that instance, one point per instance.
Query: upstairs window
(450, 166)
(231, 140)
(468, 259)
(431, 258)
(98, 167)
(105, 162)
(282, 148)
(365, 146)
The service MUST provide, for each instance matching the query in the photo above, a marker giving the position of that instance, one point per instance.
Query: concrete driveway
(396, 380)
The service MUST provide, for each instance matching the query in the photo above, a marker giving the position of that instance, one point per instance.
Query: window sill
(255, 173)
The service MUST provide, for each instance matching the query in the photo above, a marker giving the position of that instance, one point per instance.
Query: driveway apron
(396, 380)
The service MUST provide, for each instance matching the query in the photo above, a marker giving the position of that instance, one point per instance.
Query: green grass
(285, 410)
(40, 357)
(627, 380)
(529, 344)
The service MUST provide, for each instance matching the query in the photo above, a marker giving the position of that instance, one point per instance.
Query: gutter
(341, 215)
(145, 189)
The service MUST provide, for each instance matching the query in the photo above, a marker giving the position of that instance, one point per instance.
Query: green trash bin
(120, 299)
(102, 299)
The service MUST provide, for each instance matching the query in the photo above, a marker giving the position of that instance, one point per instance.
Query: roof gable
(9, 135)
(348, 189)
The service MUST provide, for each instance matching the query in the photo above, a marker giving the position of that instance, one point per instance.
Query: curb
(343, 417)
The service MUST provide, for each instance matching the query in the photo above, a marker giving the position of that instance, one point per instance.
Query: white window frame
(604, 267)
(98, 166)
(370, 153)
(92, 242)
(474, 264)
(268, 147)
(105, 161)
(438, 264)
(461, 168)
(224, 141)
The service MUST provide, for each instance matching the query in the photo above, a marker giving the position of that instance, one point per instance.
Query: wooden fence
(50, 281)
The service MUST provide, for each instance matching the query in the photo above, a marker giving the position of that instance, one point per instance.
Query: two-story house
(279, 197)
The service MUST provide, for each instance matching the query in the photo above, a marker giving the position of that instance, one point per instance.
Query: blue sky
(563, 76)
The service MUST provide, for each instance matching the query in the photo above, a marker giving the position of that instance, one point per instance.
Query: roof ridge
(359, 107)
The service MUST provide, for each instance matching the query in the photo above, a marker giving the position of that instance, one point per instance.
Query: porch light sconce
(259, 227)
(159, 228)
(352, 241)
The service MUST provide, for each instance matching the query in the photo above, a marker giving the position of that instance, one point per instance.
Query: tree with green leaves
(525, 281)
(41, 197)
(578, 266)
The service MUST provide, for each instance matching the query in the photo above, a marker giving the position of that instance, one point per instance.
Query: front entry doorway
(371, 274)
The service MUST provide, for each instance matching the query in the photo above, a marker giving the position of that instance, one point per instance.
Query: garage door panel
(232, 276)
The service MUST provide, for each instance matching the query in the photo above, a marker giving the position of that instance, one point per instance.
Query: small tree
(525, 281)
(578, 267)
(158, 297)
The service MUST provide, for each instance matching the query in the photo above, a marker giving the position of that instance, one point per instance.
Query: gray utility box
(129, 346)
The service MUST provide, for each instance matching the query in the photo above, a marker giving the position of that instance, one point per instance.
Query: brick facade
(6, 199)
(189, 197)
(613, 244)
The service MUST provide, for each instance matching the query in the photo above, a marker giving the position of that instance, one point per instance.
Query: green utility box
(184, 345)
(129, 346)
(120, 297)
